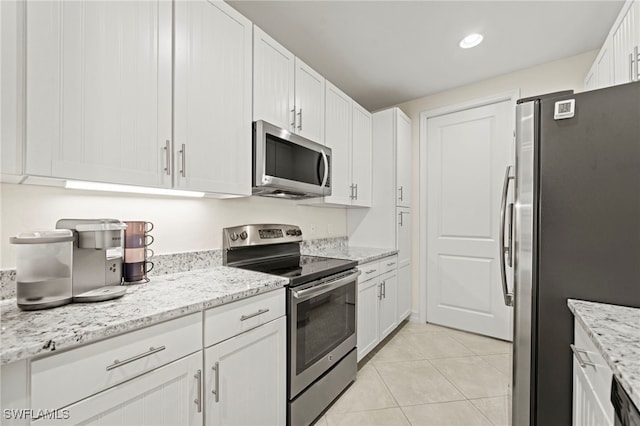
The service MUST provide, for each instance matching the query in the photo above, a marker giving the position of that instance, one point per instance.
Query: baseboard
(414, 317)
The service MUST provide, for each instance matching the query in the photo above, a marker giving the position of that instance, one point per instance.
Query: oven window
(287, 160)
(323, 323)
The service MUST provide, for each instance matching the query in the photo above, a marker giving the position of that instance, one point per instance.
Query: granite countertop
(359, 254)
(24, 334)
(615, 330)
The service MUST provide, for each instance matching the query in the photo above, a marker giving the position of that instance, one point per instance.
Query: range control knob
(291, 232)
(243, 235)
(233, 236)
(298, 232)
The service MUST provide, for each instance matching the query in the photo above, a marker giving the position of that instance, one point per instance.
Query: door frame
(511, 95)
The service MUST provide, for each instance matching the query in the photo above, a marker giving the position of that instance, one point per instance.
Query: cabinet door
(273, 81)
(98, 104)
(246, 378)
(624, 40)
(403, 152)
(587, 410)
(404, 292)
(388, 303)
(338, 138)
(309, 119)
(169, 395)
(368, 313)
(403, 235)
(361, 156)
(212, 98)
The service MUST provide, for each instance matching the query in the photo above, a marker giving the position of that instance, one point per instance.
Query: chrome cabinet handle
(293, 119)
(151, 351)
(216, 382)
(198, 400)
(401, 193)
(401, 222)
(351, 193)
(356, 187)
(370, 272)
(300, 119)
(637, 61)
(183, 153)
(326, 168)
(577, 352)
(508, 297)
(631, 61)
(167, 154)
(255, 314)
(384, 289)
(380, 291)
(391, 264)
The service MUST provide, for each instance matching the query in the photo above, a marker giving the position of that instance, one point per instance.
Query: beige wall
(554, 76)
(181, 224)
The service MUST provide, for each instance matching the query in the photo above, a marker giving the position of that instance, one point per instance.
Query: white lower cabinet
(169, 395)
(377, 303)
(245, 378)
(404, 292)
(591, 383)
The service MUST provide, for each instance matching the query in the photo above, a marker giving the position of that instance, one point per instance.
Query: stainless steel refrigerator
(573, 231)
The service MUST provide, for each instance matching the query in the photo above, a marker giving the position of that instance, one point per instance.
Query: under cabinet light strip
(99, 186)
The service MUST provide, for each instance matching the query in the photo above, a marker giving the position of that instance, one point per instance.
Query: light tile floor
(428, 375)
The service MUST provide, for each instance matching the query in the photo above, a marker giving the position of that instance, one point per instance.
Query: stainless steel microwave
(286, 165)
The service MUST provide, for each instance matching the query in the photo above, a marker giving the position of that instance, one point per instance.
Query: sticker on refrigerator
(565, 109)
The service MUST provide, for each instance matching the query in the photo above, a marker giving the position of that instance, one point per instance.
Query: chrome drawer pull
(260, 312)
(391, 264)
(151, 351)
(370, 272)
(198, 400)
(216, 384)
(577, 352)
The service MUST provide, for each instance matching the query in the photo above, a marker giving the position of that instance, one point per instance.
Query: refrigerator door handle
(510, 237)
(505, 250)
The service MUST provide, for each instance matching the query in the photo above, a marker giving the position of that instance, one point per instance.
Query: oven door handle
(308, 293)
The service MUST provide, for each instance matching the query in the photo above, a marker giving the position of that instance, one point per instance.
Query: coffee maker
(97, 258)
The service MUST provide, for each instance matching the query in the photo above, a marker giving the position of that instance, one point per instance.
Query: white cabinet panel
(98, 104)
(170, 395)
(273, 81)
(246, 378)
(338, 138)
(625, 40)
(309, 101)
(212, 112)
(368, 314)
(587, 410)
(403, 236)
(361, 154)
(403, 167)
(404, 292)
(388, 303)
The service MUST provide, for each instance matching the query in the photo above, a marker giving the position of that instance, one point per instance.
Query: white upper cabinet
(361, 156)
(618, 61)
(273, 81)
(98, 99)
(348, 134)
(338, 138)
(287, 92)
(403, 153)
(625, 39)
(309, 104)
(212, 104)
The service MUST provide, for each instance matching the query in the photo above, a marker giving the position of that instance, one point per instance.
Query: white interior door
(467, 153)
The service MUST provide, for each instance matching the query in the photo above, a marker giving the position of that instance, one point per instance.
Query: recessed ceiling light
(472, 40)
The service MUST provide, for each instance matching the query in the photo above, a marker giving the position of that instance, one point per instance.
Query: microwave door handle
(325, 160)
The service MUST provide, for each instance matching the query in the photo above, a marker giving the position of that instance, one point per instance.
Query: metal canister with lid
(43, 268)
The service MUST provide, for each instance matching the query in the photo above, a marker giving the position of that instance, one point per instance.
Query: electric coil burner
(321, 312)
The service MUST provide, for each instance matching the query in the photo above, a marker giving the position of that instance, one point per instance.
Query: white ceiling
(382, 53)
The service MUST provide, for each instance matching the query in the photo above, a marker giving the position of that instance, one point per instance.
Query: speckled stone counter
(615, 330)
(26, 334)
(359, 254)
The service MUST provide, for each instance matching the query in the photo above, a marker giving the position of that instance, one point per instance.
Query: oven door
(322, 328)
(285, 162)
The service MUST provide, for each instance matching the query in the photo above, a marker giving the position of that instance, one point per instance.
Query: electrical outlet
(313, 229)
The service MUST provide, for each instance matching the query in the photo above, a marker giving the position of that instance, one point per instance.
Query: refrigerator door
(523, 262)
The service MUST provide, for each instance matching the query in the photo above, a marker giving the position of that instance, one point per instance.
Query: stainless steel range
(321, 312)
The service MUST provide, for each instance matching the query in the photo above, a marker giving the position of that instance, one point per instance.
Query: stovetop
(301, 269)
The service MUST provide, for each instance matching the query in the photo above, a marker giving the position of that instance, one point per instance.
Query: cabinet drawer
(226, 321)
(61, 379)
(368, 271)
(598, 375)
(388, 264)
